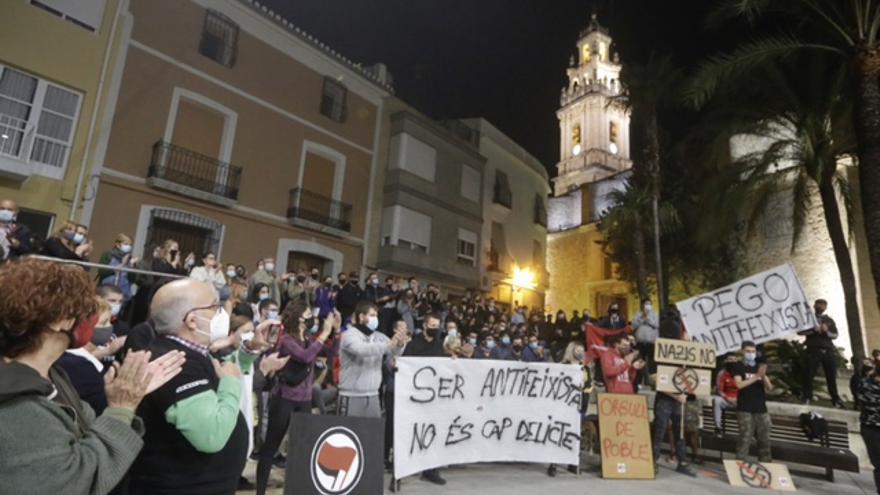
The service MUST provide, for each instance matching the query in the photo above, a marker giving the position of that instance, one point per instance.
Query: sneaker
(718, 433)
(686, 470)
(433, 477)
(279, 461)
(551, 471)
(245, 485)
(573, 469)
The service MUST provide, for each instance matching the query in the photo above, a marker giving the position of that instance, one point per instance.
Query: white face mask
(231, 273)
(649, 307)
(270, 267)
(125, 248)
(373, 322)
(453, 332)
(7, 216)
(78, 238)
(219, 326)
(272, 315)
(115, 309)
(263, 297)
(751, 356)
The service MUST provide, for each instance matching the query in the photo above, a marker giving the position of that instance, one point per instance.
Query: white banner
(459, 411)
(763, 307)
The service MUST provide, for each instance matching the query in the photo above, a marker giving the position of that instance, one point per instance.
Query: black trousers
(280, 410)
(389, 423)
(828, 359)
(871, 435)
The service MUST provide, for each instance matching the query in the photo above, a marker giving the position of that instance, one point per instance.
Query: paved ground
(514, 479)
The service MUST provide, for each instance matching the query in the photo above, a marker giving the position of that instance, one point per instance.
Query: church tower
(593, 124)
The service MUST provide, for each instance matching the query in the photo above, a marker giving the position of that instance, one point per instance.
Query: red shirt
(727, 385)
(619, 374)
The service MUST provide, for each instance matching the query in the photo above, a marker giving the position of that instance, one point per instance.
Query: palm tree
(846, 29)
(622, 227)
(805, 125)
(647, 87)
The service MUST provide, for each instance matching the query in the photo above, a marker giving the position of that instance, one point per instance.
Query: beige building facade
(237, 133)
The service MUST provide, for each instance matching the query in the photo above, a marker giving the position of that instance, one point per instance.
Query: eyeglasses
(216, 307)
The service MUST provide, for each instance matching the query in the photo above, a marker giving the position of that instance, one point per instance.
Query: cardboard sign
(759, 475)
(334, 455)
(684, 353)
(684, 380)
(460, 411)
(625, 436)
(761, 308)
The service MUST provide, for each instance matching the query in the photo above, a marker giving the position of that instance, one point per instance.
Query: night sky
(504, 60)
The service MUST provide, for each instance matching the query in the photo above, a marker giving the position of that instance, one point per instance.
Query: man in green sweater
(196, 437)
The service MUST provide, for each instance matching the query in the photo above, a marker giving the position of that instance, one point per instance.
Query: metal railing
(102, 266)
(315, 208)
(194, 170)
(16, 137)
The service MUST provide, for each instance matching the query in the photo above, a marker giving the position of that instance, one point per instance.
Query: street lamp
(522, 278)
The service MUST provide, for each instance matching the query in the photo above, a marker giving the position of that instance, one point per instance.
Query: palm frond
(720, 69)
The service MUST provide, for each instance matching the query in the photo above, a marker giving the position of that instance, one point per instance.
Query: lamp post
(522, 278)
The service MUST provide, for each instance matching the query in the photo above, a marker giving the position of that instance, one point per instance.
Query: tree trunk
(639, 251)
(652, 155)
(867, 124)
(837, 233)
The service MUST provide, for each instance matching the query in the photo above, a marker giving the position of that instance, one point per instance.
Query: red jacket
(619, 374)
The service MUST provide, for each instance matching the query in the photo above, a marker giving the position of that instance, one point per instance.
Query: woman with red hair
(51, 441)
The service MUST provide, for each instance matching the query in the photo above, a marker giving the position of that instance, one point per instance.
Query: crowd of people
(166, 380)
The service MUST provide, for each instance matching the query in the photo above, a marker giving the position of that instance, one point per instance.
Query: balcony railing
(16, 137)
(313, 208)
(206, 176)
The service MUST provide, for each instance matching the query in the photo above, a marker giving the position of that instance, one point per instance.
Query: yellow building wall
(43, 45)
(577, 274)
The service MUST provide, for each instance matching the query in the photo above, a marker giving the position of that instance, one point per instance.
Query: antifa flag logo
(337, 461)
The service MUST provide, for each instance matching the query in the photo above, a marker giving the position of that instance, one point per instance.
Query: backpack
(814, 425)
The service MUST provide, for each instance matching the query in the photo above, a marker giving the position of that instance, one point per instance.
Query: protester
(620, 365)
(325, 298)
(15, 237)
(821, 351)
(265, 275)
(298, 290)
(51, 441)
(726, 391)
(860, 372)
(120, 255)
(428, 344)
(574, 354)
(613, 320)
(645, 327)
(69, 243)
(348, 295)
(114, 297)
(751, 404)
(669, 408)
(209, 272)
(388, 370)
(869, 419)
(238, 290)
(535, 351)
(302, 343)
(196, 436)
(362, 353)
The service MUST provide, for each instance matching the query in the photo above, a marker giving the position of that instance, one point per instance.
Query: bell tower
(593, 122)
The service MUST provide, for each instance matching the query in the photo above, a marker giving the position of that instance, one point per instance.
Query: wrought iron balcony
(502, 196)
(16, 140)
(309, 209)
(190, 173)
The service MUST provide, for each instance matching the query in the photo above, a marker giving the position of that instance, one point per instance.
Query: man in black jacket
(821, 350)
(428, 344)
(350, 294)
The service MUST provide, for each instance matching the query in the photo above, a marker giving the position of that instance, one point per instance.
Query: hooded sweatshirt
(362, 353)
(52, 442)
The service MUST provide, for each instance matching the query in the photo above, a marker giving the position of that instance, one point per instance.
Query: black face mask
(343, 281)
(310, 322)
(315, 276)
(300, 279)
(433, 332)
(517, 347)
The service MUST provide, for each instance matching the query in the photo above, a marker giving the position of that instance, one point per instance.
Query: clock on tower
(593, 122)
